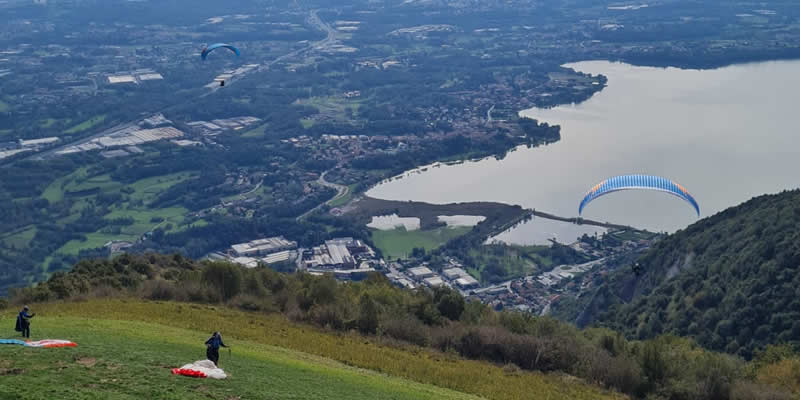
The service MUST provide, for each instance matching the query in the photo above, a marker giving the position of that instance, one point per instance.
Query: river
(726, 135)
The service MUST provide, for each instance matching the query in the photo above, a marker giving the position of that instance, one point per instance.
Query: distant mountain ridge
(730, 281)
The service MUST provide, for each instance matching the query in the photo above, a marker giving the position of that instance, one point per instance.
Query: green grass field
(55, 190)
(333, 107)
(256, 133)
(132, 360)
(126, 348)
(344, 199)
(398, 243)
(88, 124)
(306, 123)
(20, 238)
(145, 190)
(93, 240)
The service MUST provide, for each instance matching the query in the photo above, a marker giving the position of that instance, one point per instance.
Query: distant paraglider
(646, 182)
(215, 46)
(210, 48)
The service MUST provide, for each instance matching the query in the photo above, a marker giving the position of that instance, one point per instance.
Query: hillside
(126, 348)
(729, 281)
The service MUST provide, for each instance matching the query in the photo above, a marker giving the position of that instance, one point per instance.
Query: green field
(55, 190)
(332, 107)
(132, 360)
(145, 190)
(256, 133)
(306, 123)
(88, 124)
(20, 238)
(126, 348)
(93, 240)
(344, 199)
(398, 243)
(102, 182)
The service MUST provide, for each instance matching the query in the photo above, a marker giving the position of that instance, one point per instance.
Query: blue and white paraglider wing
(640, 182)
(215, 46)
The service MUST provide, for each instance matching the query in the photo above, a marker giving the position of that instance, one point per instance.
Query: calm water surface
(726, 135)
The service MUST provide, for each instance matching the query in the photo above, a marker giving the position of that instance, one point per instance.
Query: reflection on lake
(726, 135)
(389, 222)
(461, 220)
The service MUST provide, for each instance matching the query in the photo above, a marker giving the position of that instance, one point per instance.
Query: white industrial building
(467, 282)
(262, 247)
(340, 253)
(454, 273)
(433, 281)
(420, 272)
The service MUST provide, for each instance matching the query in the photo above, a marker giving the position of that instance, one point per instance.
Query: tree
(449, 303)
(367, 315)
(225, 277)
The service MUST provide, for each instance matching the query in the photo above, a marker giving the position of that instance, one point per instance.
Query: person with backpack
(24, 322)
(212, 347)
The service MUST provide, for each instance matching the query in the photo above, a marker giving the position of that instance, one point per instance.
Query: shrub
(252, 303)
(158, 290)
(407, 329)
(755, 391)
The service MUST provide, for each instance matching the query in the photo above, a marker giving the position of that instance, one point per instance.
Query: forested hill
(731, 281)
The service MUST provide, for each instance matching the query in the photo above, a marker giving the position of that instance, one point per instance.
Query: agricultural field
(398, 243)
(81, 189)
(88, 124)
(336, 108)
(256, 133)
(126, 348)
(20, 238)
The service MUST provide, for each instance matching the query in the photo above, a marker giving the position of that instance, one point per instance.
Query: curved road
(341, 191)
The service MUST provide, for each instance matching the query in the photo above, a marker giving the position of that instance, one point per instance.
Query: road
(341, 191)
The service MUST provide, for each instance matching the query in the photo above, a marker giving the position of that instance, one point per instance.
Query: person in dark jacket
(212, 347)
(24, 322)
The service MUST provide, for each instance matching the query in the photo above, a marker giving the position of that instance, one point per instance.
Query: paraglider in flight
(215, 46)
(646, 182)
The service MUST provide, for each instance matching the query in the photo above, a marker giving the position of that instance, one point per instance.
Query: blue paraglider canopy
(215, 46)
(647, 182)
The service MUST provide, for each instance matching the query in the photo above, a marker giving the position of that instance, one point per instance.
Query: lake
(726, 135)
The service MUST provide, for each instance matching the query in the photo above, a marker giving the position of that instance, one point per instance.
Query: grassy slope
(259, 370)
(399, 242)
(131, 360)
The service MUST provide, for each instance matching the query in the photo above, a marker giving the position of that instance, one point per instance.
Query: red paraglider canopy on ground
(188, 372)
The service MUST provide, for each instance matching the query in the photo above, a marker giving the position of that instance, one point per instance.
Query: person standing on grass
(212, 347)
(24, 322)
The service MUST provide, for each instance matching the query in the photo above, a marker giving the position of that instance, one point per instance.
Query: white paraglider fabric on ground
(207, 367)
